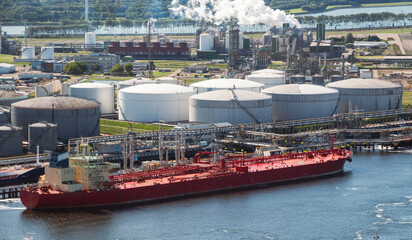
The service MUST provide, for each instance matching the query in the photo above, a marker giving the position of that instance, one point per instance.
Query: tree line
(355, 18)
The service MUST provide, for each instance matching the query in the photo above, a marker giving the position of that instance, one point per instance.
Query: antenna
(150, 45)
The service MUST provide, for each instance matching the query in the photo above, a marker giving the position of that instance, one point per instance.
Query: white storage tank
(47, 53)
(301, 101)
(368, 95)
(233, 106)
(170, 80)
(154, 102)
(206, 42)
(133, 82)
(226, 83)
(227, 40)
(27, 53)
(269, 70)
(267, 79)
(90, 38)
(98, 92)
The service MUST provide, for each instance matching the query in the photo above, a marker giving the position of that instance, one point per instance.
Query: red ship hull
(213, 183)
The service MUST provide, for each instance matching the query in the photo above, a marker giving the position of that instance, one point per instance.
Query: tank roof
(363, 83)
(226, 83)
(55, 103)
(265, 75)
(91, 85)
(166, 78)
(9, 127)
(227, 95)
(268, 70)
(11, 94)
(136, 80)
(161, 88)
(299, 89)
(43, 124)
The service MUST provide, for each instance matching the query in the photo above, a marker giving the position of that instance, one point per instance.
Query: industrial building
(10, 141)
(7, 68)
(234, 106)
(154, 102)
(301, 101)
(367, 95)
(157, 50)
(74, 117)
(98, 92)
(105, 61)
(133, 82)
(226, 83)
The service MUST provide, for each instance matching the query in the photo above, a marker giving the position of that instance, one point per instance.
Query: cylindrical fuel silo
(74, 117)
(90, 38)
(27, 53)
(226, 83)
(44, 135)
(233, 106)
(10, 141)
(9, 97)
(368, 95)
(170, 80)
(98, 92)
(5, 116)
(154, 102)
(133, 82)
(206, 42)
(318, 80)
(267, 79)
(297, 79)
(47, 53)
(301, 101)
(335, 78)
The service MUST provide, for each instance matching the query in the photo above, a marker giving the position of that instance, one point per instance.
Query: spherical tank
(226, 83)
(47, 53)
(206, 42)
(368, 95)
(10, 141)
(154, 102)
(301, 101)
(133, 82)
(90, 38)
(170, 80)
(44, 135)
(233, 106)
(267, 79)
(27, 53)
(98, 92)
(74, 117)
(9, 97)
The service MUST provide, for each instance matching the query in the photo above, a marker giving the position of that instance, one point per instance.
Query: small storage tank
(335, 78)
(206, 42)
(44, 135)
(234, 106)
(297, 79)
(368, 95)
(133, 82)
(9, 97)
(27, 53)
(10, 141)
(226, 83)
(170, 80)
(267, 79)
(47, 53)
(318, 80)
(74, 117)
(154, 102)
(90, 38)
(5, 116)
(99, 92)
(301, 101)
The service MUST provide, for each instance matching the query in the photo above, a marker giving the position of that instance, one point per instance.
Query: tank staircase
(236, 100)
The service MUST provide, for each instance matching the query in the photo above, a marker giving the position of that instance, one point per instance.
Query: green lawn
(407, 99)
(120, 127)
(295, 10)
(337, 6)
(371, 31)
(6, 58)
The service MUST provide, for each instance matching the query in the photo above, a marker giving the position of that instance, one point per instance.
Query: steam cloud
(247, 12)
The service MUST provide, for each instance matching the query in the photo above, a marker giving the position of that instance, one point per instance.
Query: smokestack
(86, 11)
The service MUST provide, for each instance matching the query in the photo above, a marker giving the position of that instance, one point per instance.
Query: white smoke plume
(247, 12)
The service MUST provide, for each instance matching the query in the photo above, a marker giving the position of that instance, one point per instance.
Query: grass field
(337, 6)
(295, 10)
(120, 127)
(407, 99)
(386, 4)
(370, 31)
(6, 58)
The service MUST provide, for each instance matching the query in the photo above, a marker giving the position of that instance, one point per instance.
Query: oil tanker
(87, 181)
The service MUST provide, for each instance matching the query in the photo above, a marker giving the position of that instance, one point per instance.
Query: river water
(372, 198)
